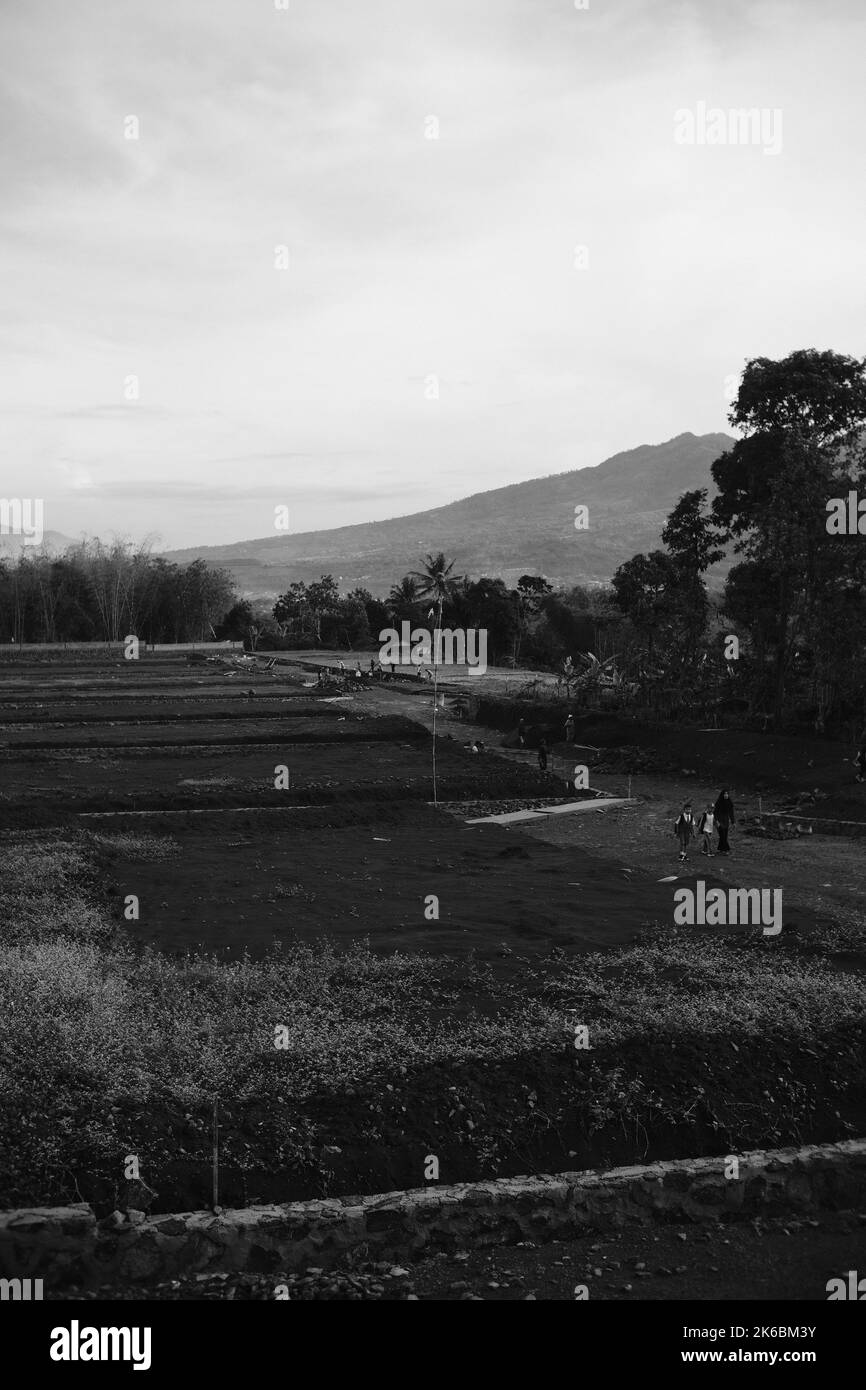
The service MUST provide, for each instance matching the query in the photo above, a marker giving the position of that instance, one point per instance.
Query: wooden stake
(216, 1158)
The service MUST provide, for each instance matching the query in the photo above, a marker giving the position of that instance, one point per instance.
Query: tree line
(96, 592)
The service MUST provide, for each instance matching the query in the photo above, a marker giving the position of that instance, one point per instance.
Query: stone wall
(67, 1245)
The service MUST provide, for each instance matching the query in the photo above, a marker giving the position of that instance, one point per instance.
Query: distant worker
(860, 763)
(521, 732)
(542, 755)
(569, 729)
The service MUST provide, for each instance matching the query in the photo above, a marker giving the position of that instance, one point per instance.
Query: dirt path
(825, 875)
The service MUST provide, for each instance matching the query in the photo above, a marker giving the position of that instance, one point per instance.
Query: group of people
(326, 676)
(718, 819)
(379, 671)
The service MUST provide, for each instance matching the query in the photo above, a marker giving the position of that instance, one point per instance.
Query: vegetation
(103, 593)
(721, 1043)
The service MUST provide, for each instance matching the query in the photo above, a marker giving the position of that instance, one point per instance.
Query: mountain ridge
(524, 527)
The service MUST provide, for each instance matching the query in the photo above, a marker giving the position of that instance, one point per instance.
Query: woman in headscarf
(723, 811)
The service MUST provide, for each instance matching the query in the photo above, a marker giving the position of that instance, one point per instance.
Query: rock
(459, 1287)
(112, 1222)
(136, 1218)
(398, 1272)
(529, 1298)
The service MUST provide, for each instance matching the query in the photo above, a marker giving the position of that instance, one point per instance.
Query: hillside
(523, 528)
(53, 543)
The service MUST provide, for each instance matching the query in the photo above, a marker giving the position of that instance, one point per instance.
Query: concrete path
(603, 803)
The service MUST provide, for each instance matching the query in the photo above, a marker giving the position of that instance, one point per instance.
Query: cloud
(407, 256)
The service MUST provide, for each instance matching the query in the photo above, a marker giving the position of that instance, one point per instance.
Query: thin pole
(216, 1159)
(436, 691)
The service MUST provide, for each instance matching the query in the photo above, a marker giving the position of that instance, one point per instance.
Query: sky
(358, 258)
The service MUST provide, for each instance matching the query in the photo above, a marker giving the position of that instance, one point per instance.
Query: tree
(403, 600)
(646, 591)
(237, 624)
(803, 418)
(437, 583)
(690, 537)
(435, 580)
(817, 395)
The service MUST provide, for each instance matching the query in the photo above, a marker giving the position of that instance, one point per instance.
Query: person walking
(725, 819)
(569, 729)
(542, 755)
(684, 829)
(706, 825)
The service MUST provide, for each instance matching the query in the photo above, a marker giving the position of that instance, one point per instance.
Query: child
(684, 829)
(705, 829)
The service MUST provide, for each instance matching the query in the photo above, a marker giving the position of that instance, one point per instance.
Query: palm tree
(436, 582)
(435, 579)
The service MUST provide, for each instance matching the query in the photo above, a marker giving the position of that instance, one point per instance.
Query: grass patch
(697, 1045)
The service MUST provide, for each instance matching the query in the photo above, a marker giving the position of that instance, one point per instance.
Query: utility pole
(436, 689)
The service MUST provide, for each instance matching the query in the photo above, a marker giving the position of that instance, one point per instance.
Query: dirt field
(352, 851)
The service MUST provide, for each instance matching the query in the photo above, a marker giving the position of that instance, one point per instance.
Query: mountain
(53, 543)
(523, 528)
